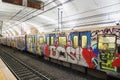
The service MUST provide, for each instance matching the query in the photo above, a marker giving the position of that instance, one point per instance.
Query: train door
(18, 42)
(86, 55)
(47, 39)
(34, 43)
(61, 49)
(85, 39)
(28, 43)
(22, 43)
(74, 50)
(37, 44)
(49, 47)
(40, 42)
(107, 48)
(31, 44)
(46, 46)
(52, 46)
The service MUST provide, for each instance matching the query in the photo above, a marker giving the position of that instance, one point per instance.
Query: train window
(111, 46)
(84, 41)
(52, 40)
(100, 45)
(106, 39)
(41, 39)
(62, 41)
(75, 42)
(106, 42)
(48, 41)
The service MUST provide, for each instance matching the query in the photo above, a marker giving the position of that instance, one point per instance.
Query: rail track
(51, 70)
(21, 70)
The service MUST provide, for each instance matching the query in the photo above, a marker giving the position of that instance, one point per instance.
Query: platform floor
(5, 73)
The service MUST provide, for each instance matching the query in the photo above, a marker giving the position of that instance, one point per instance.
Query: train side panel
(96, 48)
(93, 48)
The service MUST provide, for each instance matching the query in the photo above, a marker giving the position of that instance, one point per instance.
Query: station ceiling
(73, 14)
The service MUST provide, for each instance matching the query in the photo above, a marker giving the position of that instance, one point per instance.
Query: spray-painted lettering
(115, 31)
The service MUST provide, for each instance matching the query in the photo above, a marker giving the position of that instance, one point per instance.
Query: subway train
(95, 48)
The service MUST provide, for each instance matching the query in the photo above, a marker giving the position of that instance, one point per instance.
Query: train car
(96, 48)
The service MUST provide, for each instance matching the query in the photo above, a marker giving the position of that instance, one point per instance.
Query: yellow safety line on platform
(2, 76)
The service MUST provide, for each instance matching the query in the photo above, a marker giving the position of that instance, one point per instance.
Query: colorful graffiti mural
(97, 48)
(107, 48)
(86, 48)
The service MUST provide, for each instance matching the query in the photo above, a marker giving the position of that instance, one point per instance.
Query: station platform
(5, 73)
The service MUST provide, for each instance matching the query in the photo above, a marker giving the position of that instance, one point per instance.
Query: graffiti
(71, 55)
(117, 32)
(94, 39)
(62, 34)
(116, 62)
(95, 61)
(88, 56)
(106, 31)
(62, 54)
(53, 52)
(47, 53)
